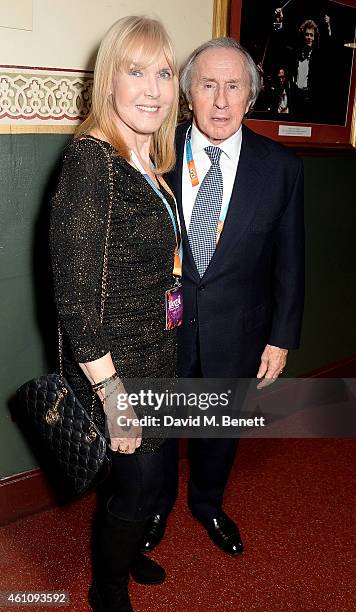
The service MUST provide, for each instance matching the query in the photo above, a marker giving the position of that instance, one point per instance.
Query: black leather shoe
(146, 571)
(155, 531)
(225, 534)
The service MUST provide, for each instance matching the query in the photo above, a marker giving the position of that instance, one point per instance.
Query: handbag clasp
(91, 436)
(53, 414)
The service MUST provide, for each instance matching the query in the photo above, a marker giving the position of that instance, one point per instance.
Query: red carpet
(293, 500)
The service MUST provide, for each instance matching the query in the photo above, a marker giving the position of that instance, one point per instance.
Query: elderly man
(240, 198)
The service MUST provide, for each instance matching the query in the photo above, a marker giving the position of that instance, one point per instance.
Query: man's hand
(278, 19)
(273, 361)
(327, 21)
(278, 13)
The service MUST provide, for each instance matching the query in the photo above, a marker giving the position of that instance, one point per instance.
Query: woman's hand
(123, 426)
(125, 434)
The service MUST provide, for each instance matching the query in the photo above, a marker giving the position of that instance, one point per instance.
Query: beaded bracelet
(100, 385)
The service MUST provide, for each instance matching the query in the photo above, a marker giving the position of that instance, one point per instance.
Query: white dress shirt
(228, 163)
(303, 73)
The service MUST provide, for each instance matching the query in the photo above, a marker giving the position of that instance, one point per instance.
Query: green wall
(329, 327)
(27, 163)
(27, 171)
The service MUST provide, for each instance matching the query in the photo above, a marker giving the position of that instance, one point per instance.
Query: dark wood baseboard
(29, 492)
(346, 368)
(23, 494)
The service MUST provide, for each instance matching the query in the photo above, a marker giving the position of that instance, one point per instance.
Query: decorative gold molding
(221, 15)
(353, 126)
(43, 100)
(12, 128)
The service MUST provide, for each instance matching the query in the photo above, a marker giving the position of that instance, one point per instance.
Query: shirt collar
(230, 146)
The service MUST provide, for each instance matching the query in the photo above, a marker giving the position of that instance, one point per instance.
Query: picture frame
(313, 136)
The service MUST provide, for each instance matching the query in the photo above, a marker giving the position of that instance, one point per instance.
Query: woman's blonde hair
(138, 41)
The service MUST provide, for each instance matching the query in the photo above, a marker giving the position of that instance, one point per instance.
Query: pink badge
(174, 307)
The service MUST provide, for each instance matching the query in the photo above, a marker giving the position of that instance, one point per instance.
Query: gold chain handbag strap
(104, 276)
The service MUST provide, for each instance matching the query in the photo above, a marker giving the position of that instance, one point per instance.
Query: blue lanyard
(139, 166)
(188, 145)
(164, 200)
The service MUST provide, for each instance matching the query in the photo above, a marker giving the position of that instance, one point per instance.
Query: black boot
(146, 571)
(115, 546)
(103, 599)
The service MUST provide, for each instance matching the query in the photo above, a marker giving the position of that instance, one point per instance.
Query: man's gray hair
(221, 43)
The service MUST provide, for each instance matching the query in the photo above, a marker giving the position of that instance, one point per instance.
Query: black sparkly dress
(140, 265)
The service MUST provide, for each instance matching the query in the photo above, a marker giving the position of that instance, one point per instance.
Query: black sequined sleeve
(77, 235)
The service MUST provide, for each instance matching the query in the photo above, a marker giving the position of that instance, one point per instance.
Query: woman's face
(142, 97)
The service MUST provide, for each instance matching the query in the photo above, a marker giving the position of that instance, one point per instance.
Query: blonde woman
(133, 117)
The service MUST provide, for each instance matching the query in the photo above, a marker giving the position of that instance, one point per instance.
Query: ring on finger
(123, 450)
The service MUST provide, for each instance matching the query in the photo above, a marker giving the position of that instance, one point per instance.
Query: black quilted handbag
(75, 445)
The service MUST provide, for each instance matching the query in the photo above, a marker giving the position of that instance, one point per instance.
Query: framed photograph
(305, 51)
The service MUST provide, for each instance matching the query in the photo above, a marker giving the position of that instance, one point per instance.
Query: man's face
(220, 93)
(281, 76)
(309, 37)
